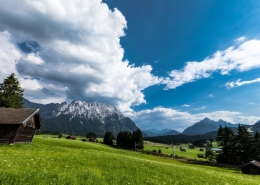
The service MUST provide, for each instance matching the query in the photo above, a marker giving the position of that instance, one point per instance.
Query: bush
(91, 135)
(159, 151)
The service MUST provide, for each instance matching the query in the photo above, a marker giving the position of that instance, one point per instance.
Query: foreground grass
(60, 161)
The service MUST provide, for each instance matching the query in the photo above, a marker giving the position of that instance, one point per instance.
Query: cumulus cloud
(70, 49)
(161, 117)
(238, 83)
(244, 56)
(9, 54)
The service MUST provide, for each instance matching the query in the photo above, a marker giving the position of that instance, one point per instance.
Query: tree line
(196, 140)
(126, 139)
(238, 147)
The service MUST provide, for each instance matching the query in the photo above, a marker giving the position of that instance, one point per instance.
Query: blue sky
(164, 64)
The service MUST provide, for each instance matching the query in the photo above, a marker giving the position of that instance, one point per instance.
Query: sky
(164, 64)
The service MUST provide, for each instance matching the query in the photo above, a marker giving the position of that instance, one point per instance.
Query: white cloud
(240, 39)
(238, 83)
(243, 57)
(185, 105)
(211, 95)
(8, 55)
(80, 56)
(201, 108)
(161, 117)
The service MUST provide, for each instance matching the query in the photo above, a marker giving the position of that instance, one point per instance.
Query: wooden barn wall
(31, 122)
(24, 135)
(7, 132)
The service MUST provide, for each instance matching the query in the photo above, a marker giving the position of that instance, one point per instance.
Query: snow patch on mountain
(86, 110)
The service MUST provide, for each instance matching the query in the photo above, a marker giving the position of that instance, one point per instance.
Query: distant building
(71, 137)
(252, 167)
(18, 125)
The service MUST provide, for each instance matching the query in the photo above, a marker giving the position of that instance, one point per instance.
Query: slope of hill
(172, 132)
(79, 118)
(46, 110)
(256, 126)
(60, 161)
(155, 132)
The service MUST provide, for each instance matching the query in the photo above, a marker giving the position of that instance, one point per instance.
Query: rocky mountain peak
(206, 119)
(88, 110)
(79, 117)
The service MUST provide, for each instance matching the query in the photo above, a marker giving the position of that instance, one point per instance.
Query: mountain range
(207, 125)
(79, 118)
(202, 127)
(163, 132)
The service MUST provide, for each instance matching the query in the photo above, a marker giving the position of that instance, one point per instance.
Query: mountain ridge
(155, 132)
(79, 118)
(207, 125)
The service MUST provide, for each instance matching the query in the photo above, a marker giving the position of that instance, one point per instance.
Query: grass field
(60, 161)
(167, 149)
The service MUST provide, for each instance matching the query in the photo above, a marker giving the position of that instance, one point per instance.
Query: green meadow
(167, 149)
(60, 161)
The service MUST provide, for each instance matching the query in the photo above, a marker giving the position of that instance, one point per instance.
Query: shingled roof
(252, 167)
(16, 116)
(254, 163)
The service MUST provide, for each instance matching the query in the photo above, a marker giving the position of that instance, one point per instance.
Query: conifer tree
(124, 140)
(11, 93)
(256, 146)
(220, 136)
(137, 139)
(210, 155)
(244, 145)
(108, 139)
(228, 143)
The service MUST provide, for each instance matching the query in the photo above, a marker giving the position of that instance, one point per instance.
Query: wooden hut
(18, 125)
(71, 137)
(252, 167)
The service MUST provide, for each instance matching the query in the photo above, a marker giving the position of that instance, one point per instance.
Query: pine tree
(137, 139)
(220, 136)
(108, 139)
(124, 140)
(11, 93)
(210, 155)
(244, 145)
(227, 142)
(256, 146)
